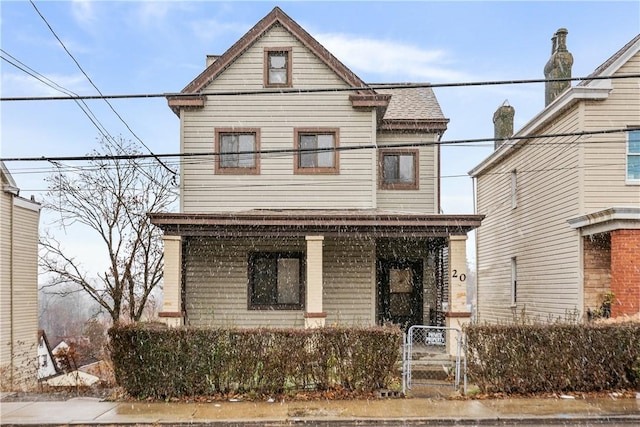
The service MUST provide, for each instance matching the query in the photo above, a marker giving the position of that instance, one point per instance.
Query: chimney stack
(503, 124)
(558, 67)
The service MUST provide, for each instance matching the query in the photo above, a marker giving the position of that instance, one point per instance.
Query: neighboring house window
(514, 281)
(277, 67)
(633, 156)
(514, 189)
(316, 151)
(398, 170)
(276, 280)
(237, 151)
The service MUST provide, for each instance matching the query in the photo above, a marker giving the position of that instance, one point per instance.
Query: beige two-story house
(19, 218)
(561, 198)
(308, 197)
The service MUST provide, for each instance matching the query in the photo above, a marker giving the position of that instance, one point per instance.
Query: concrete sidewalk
(410, 411)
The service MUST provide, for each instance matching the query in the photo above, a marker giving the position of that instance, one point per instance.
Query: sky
(136, 47)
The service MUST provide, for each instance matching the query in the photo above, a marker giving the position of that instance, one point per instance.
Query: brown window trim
(415, 185)
(316, 170)
(237, 171)
(277, 255)
(288, 50)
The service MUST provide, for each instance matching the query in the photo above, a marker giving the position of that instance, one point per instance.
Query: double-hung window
(277, 67)
(633, 157)
(237, 151)
(276, 281)
(316, 151)
(398, 170)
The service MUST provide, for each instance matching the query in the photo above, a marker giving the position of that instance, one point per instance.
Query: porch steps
(427, 365)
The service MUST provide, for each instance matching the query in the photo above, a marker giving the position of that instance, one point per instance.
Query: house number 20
(462, 277)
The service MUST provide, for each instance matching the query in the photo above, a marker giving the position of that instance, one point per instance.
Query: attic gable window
(316, 151)
(633, 157)
(238, 151)
(277, 67)
(398, 170)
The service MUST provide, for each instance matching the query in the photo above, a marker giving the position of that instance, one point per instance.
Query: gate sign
(434, 338)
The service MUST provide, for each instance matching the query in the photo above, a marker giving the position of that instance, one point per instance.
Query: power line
(50, 83)
(316, 90)
(98, 90)
(512, 141)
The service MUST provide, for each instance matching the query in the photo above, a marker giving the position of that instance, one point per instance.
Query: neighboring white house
(19, 219)
(47, 366)
(308, 197)
(561, 232)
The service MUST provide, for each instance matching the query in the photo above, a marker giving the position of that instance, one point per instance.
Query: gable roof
(587, 89)
(275, 17)
(613, 64)
(412, 108)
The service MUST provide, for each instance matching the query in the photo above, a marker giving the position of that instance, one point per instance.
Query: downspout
(11, 310)
(439, 174)
(475, 212)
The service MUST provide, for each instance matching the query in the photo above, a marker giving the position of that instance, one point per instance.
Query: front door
(400, 292)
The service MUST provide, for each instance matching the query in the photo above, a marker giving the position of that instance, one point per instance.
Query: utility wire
(318, 90)
(512, 141)
(50, 83)
(98, 90)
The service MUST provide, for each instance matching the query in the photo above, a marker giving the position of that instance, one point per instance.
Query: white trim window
(514, 281)
(633, 157)
(514, 189)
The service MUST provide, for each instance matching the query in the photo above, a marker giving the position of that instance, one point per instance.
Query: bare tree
(111, 196)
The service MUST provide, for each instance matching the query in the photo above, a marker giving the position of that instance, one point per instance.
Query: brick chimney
(558, 67)
(503, 124)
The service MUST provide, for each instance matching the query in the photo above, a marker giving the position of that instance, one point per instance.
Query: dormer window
(277, 67)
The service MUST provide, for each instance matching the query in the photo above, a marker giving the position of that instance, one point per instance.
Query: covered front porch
(296, 268)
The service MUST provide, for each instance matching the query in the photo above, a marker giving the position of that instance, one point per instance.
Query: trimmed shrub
(534, 358)
(177, 362)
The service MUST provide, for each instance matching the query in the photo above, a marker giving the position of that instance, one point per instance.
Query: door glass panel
(400, 280)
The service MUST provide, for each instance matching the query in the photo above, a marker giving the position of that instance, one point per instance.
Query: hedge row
(161, 362)
(531, 358)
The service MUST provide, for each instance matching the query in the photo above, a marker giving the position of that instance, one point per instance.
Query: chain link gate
(425, 357)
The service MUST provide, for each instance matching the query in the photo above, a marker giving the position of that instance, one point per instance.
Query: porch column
(458, 313)
(171, 313)
(314, 317)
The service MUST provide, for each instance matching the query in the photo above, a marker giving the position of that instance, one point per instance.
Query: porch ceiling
(294, 223)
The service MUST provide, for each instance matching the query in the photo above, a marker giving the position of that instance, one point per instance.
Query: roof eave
(566, 100)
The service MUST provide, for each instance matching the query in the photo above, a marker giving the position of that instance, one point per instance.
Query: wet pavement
(390, 412)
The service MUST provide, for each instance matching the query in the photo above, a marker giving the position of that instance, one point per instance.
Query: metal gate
(425, 359)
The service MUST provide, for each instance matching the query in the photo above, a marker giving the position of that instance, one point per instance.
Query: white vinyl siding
(6, 203)
(277, 115)
(605, 183)
(349, 282)
(536, 232)
(423, 200)
(19, 287)
(216, 274)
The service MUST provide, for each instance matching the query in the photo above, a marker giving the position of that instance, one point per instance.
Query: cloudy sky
(135, 47)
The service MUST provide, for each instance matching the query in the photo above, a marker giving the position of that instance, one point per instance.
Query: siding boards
(349, 282)
(6, 203)
(605, 155)
(424, 199)
(535, 232)
(277, 115)
(216, 276)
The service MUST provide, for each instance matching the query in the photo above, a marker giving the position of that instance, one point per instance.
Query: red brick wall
(625, 271)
